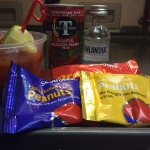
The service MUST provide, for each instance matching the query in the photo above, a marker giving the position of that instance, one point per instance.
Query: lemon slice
(15, 35)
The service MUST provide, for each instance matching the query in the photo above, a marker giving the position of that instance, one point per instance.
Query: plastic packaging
(115, 98)
(30, 102)
(72, 71)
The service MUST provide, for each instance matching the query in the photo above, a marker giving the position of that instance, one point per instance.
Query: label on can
(66, 26)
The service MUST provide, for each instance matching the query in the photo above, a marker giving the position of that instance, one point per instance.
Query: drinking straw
(31, 14)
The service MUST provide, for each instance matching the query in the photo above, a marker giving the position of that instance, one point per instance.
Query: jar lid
(100, 10)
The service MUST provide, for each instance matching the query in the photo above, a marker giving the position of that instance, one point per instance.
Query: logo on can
(65, 27)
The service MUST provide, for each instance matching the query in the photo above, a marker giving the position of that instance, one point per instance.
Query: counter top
(87, 138)
(75, 138)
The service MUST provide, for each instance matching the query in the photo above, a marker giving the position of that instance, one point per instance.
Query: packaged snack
(30, 102)
(115, 98)
(72, 71)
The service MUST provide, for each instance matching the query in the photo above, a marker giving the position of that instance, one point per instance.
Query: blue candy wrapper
(31, 103)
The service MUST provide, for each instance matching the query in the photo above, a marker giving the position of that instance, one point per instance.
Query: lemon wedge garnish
(15, 35)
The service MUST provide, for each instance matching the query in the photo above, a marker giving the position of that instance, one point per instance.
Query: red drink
(17, 53)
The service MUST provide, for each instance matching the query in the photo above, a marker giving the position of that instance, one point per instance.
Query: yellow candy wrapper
(115, 98)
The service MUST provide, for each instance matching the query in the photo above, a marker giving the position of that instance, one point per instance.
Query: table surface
(95, 138)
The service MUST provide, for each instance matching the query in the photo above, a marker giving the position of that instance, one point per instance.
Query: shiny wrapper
(116, 98)
(30, 102)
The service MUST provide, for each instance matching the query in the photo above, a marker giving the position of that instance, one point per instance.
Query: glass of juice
(20, 53)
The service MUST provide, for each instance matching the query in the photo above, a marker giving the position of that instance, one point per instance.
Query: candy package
(72, 71)
(30, 102)
(116, 98)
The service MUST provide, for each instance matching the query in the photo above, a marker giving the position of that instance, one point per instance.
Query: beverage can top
(100, 10)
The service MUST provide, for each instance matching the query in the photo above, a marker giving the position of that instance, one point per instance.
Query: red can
(64, 25)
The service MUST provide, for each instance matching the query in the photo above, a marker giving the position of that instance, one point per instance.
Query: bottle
(97, 38)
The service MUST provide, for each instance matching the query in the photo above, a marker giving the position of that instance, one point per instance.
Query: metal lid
(100, 10)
